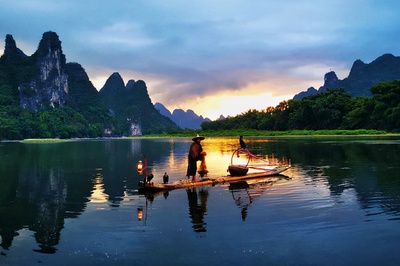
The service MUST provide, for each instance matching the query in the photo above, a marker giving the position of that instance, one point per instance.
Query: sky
(215, 57)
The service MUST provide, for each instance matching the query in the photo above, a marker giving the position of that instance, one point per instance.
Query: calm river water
(78, 203)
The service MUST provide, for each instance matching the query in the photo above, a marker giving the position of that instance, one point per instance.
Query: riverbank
(263, 133)
(248, 133)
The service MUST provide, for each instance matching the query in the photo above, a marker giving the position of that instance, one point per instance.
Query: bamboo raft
(185, 183)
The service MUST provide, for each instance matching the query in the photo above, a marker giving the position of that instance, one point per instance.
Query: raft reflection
(244, 193)
(44, 185)
(197, 209)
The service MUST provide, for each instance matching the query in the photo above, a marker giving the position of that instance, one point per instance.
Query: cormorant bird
(148, 178)
(242, 144)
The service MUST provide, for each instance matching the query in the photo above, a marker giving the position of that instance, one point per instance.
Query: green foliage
(87, 113)
(61, 122)
(83, 115)
(386, 102)
(84, 98)
(359, 115)
(27, 90)
(333, 109)
(263, 133)
(320, 111)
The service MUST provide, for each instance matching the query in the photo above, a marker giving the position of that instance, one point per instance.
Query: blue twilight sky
(214, 57)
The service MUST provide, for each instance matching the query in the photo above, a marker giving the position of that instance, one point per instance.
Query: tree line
(330, 109)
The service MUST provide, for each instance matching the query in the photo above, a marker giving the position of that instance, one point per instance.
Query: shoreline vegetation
(236, 133)
(263, 133)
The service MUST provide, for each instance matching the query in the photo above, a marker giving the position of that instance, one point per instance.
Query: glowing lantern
(139, 167)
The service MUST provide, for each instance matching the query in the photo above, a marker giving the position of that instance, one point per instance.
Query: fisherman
(165, 178)
(196, 153)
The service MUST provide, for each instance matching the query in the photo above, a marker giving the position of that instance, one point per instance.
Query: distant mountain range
(358, 83)
(44, 96)
(45, 81)
(361, 77)
(188, 119)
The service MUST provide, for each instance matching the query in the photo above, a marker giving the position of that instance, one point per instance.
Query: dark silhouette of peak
(130, 84)
(47, 82)
(301, 95)
(113, 84)
(113, 92)
(83, 96)
(178, 113)
(385, 58)
(140, 85)
(191, 113)
(131, 105)
(188, 119)
(79, 73)
(330, 80)
(362, 76)
(388, 65)
(11, 48)
(357, 68)
(163, 110)
(49, 45)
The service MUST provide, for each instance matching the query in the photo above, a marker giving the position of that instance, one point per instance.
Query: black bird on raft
(242, 144)
(148, 178)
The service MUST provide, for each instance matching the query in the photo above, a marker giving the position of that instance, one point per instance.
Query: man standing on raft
(196, 153)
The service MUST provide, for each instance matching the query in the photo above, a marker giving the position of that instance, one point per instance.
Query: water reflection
(46, 193)
(246, 192)
(243, 193)
(44, 185)
(197, 208)
(366, 168)
(150, 195)
(98, 195)
(142, 210)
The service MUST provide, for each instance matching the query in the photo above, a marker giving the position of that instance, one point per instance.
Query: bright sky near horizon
(219, 57)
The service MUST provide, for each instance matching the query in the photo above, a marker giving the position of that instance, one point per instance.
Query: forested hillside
(43, 96)
(132, 107)
(331, 109)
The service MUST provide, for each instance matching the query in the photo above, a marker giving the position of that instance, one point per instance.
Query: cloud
(197, 51)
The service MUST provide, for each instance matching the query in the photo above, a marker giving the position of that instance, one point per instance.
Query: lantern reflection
(140, 213)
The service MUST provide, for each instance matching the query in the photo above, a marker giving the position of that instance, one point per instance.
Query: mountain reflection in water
(78, 202)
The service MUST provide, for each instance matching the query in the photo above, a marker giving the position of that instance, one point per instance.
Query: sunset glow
(215, 58)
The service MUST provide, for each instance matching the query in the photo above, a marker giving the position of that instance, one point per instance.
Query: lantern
(139, 167)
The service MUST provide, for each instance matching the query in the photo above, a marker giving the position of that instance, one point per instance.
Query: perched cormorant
(149, 178)
(242, 144)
